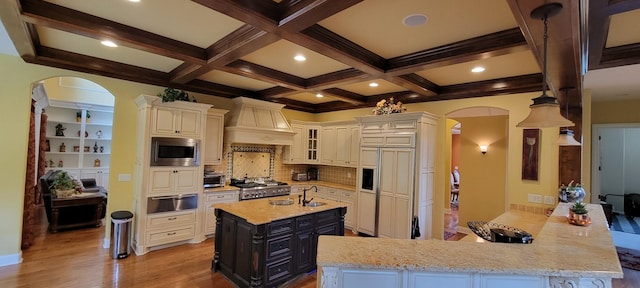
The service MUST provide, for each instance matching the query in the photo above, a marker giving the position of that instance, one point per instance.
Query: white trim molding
(11, 259)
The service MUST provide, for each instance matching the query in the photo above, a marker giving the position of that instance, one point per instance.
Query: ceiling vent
(257, 122)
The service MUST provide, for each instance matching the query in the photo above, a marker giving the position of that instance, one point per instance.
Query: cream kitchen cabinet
(212, 198)
(340, 144)
(169, 121)
(328, 146)
(153, 229)
(398, 158)
(212, 148)
(306, 144)
(340, 195)
(294, 154)
(174, 180)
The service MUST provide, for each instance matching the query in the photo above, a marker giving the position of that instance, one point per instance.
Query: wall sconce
(483, 149)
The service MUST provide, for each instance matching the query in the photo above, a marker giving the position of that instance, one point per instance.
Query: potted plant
(170, 95)
(578, 214)
(63, 185)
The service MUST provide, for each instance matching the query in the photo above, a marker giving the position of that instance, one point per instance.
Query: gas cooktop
(254, 190)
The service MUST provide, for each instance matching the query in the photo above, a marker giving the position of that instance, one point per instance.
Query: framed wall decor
(530, 153)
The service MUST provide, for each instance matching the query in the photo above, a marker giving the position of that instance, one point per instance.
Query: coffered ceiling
(246, 47)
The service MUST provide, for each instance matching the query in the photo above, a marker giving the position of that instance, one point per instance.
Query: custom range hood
(257, 122)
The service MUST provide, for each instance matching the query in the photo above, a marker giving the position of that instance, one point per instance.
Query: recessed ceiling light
(414, 20)
(109, 43)
(319, 95)
(300, 58)
(373, 84)
(134, 0)
(477, 69)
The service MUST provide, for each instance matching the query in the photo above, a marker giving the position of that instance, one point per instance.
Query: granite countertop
(226, 188)
(556, 244)
(259, 211)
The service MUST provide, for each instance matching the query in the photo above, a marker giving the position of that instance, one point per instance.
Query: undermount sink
(281, 202)
(316, 204)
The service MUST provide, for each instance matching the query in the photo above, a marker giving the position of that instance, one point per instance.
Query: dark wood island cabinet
(263, 245)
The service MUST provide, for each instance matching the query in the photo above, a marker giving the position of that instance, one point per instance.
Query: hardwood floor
(76, 259)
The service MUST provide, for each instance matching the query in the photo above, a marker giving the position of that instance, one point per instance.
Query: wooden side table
(59, 204)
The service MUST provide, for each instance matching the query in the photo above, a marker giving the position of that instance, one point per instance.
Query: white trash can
(121, 234)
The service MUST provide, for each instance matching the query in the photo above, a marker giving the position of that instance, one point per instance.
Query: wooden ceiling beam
(600, 12)
(342, 77)
(72, 21)
(243, 41)
(478, 48)
(620, 56)
(276, 92)
(345, 96)
(18, 31)
(258, 72)
(297, 105)
(564, 52)
(306, 13)
(415, 83)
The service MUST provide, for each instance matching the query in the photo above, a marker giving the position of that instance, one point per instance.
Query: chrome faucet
(304, 195)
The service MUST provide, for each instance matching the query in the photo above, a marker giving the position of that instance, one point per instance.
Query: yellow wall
(623, 111)
(73, 89)
(14, 107)
(483, 177)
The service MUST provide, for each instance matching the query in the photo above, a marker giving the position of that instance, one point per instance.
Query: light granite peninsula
(561, 256)
(259, 244)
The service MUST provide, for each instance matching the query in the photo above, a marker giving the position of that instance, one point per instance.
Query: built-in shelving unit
(79, 145)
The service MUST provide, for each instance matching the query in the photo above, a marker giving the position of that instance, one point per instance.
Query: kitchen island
(561, 255)
(260, 244)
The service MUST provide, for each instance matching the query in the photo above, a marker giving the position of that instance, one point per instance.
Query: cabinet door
(354, 153)
(303, 255)
(342, 146)
(396, 188)
(294, 154)
(160, 181)
(104, 179)
(213, 140)
(366, 212)
(163, 121)
(349, 217)
(186, 180)
(328, 145)
(188, 123)
(312, 145)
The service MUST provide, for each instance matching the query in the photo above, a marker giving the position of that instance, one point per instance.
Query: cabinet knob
(171, 233)
(172, 218)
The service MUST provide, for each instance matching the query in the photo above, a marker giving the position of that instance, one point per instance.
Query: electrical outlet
(549, 200)
(535, 198)
(538, 198)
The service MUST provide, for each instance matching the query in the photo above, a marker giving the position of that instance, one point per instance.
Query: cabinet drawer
(172, 235)
(279, 247)
(280, 227)
(348, 195)
(328, 216)
(304, 222)
(221, 197)
(163, 220)
(279, 270)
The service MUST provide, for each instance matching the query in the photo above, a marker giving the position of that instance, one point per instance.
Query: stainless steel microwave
(175, 151)
(213, 180)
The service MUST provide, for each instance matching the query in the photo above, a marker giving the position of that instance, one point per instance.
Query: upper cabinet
(169, 121)
(213, 137)
(328, 143)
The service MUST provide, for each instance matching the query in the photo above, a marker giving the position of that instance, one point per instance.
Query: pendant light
(566, 135)
(545, 110)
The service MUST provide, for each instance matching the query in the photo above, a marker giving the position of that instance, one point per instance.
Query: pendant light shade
(545, 110)
(566, 138)
(566, 135)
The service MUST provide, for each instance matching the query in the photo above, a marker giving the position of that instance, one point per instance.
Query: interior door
(618, 164)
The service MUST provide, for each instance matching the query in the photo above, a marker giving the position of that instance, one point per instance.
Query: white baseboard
(11, 259)
(107, 243)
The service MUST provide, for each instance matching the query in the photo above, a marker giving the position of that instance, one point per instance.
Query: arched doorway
(83, 112)
(480, 178)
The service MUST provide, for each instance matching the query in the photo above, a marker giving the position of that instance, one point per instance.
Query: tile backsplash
(277, 169)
